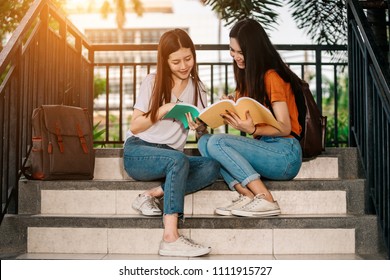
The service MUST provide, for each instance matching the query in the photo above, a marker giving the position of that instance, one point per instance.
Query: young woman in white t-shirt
(154, 146)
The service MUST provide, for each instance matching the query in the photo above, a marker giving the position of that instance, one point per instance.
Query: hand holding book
(211, 115)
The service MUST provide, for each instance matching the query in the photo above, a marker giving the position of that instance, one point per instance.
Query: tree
(11, 13)
(120, 12)
(233, 10)
(323, 20)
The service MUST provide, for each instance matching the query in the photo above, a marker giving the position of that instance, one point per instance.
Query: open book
(211, 115)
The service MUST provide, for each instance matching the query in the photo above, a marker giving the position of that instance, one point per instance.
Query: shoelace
(190, 242)
(151, 203)
(237, 200)
(260, 196)
(257, 199)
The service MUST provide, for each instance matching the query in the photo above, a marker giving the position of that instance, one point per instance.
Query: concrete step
(107, 197)
(334, 163)
(322, 214)
(134, 234)
(319, 168)
(154, 257)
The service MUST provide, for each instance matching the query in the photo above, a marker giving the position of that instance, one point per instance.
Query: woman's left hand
(193, 124)
(234, 121)
(196, 125)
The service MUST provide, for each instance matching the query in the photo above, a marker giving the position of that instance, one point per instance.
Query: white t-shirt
(169, 132)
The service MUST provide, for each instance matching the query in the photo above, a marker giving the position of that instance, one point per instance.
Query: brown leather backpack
(312, 138)
(62, 143)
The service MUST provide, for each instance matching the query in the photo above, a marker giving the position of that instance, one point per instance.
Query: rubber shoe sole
(223, 212)
(242, 213)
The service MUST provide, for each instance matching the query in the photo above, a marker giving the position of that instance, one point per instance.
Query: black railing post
(42, 56)
(318, 53)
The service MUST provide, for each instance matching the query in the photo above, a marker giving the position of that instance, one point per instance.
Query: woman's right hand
(164, 109)
(141, 123)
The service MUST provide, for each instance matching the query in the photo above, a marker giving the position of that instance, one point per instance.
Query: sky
(287, 32)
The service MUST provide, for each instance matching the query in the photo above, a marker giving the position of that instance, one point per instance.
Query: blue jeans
(180, 174)
(246, 159)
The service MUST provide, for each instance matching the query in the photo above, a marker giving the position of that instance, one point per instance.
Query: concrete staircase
(323, 216)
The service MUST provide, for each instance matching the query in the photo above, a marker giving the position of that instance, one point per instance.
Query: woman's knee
(179, 160)
(213, 165)
(202, 144)
(216, 145)
(217, 140)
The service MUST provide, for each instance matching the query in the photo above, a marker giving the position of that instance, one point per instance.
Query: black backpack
(312, 138)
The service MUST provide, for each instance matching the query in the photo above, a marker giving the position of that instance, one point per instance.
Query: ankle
(155, 192)
(266, 196)
(171, 237)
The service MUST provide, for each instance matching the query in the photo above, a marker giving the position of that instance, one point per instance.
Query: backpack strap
(83, 142)
(296, 136)
(59, 138)
(26, 169)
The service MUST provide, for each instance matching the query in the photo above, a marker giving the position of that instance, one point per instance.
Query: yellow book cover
(211, 115)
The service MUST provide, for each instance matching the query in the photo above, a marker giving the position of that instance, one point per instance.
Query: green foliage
(328, 103)
(11, 13)
(98, 134)
(323, 20)
(99, 86)
(234, 10)
(342, 129)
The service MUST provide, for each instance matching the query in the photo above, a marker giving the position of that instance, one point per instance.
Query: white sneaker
(258, 207)
(236, 204)
(147, 205)
(182, 247)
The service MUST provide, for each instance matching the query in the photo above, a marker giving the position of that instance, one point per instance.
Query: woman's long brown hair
(170, 42)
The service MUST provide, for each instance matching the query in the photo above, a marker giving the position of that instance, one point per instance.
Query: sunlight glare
(82, 4)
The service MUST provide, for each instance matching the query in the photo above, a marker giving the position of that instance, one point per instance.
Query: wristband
(253, 131)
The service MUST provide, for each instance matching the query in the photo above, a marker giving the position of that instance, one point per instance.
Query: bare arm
(282, 116)
(140, 123)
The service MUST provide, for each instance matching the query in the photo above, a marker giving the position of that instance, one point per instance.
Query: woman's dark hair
(170, 42)
(260, 56)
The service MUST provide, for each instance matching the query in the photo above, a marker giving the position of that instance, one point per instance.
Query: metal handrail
(369, 93)
(37, 66)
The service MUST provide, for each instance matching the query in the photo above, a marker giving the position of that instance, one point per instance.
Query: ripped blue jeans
(245, 159)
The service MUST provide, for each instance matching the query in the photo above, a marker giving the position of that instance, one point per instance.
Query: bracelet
(200, 133)
(253, 131)
(202, 129)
